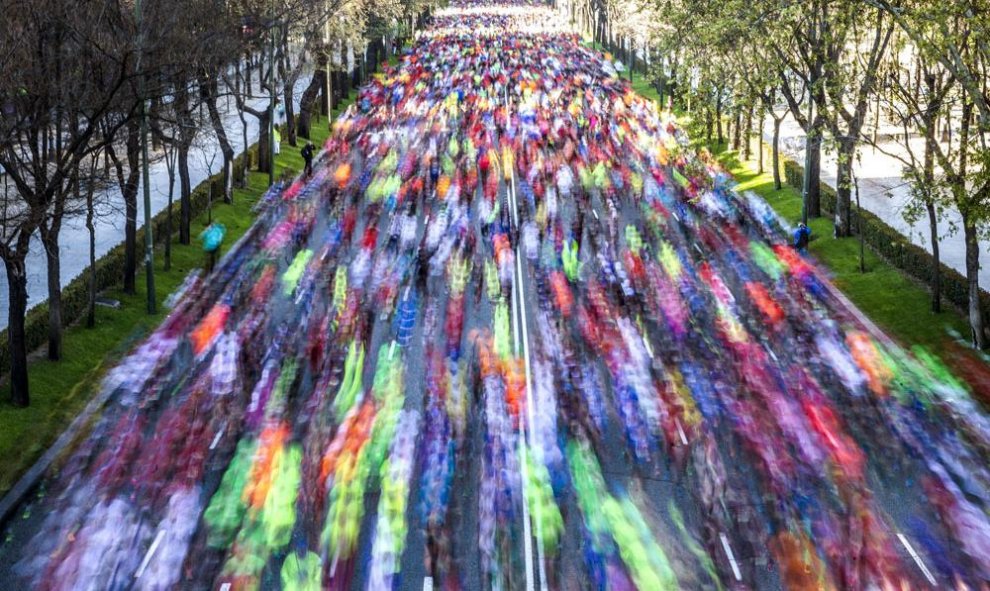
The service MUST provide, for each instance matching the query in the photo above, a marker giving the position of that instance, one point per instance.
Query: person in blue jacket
(801, 238)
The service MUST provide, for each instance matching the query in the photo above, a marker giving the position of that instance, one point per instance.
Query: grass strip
(60, 389)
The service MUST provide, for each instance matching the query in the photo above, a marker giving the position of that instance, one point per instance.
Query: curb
(26, 484)
(16, 495)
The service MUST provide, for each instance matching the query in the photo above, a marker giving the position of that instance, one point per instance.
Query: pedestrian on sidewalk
(801, 238)
(307, 154)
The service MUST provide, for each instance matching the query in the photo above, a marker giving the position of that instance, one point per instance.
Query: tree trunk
(345, 85)
(246, 155)
(709, 124)
(936, 263)
(53, 260)
(759, 139)
(728, 131)
(130, 238)
(16, 338)
(290, 113)
(718, 123)
(363, 69)
(973, 282)
(814, 146)
(331, 91)
(170, 161)
(208, 86)
(748, 134)
(326, 96)
(264, 141)
(372, 50)
(185, 194)
(186, 135)
(129, 188)
(843, 190)
(247, 76)
(91, 228)
(969, 231)
(738, 125)
(928, 180)
(776, 153)
(289, 76)
(308, 102)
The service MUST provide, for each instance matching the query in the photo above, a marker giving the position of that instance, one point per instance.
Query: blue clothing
(801, 238)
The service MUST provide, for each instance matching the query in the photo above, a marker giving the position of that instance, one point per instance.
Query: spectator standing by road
(307, 154)
(801, 238)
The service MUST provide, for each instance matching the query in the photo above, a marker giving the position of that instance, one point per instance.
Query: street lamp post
(149, 241)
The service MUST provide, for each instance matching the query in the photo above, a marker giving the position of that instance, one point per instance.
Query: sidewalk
(884, 192)
(110, 218)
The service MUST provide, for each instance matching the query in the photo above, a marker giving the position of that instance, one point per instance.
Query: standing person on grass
(307, 154)
(801, 238)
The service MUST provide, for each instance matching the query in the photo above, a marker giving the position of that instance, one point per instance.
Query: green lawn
(898, 305)
(59, 390)
(642, 87)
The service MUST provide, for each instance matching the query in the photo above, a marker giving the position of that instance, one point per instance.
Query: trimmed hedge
(109, 269)
(895, 248)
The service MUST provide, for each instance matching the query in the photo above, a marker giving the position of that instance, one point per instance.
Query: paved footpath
(205, 159)
(514, 334)
(884, 192)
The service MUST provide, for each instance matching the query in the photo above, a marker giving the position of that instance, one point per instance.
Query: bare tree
(41, 37)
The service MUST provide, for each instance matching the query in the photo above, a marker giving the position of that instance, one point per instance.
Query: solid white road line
(917, 559)
(680, 431)
(649, 349)
(151, 552)
(527, 527)
(732, 557)
(333, 565)
(517, 290)
(515, 315)
(529, 423)
(216, 438)
(428, 584)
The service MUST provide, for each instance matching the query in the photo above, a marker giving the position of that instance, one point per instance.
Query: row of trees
(85, 79)
(909, 77)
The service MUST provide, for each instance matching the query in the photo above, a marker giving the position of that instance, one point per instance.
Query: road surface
(514, 334)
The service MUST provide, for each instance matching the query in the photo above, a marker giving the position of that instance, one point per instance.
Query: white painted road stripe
(528, 422)
(649, 349)
(527, 531)
(151, 552)
(917, 559)
(732, 557)
(680, 431)
(216, 438)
